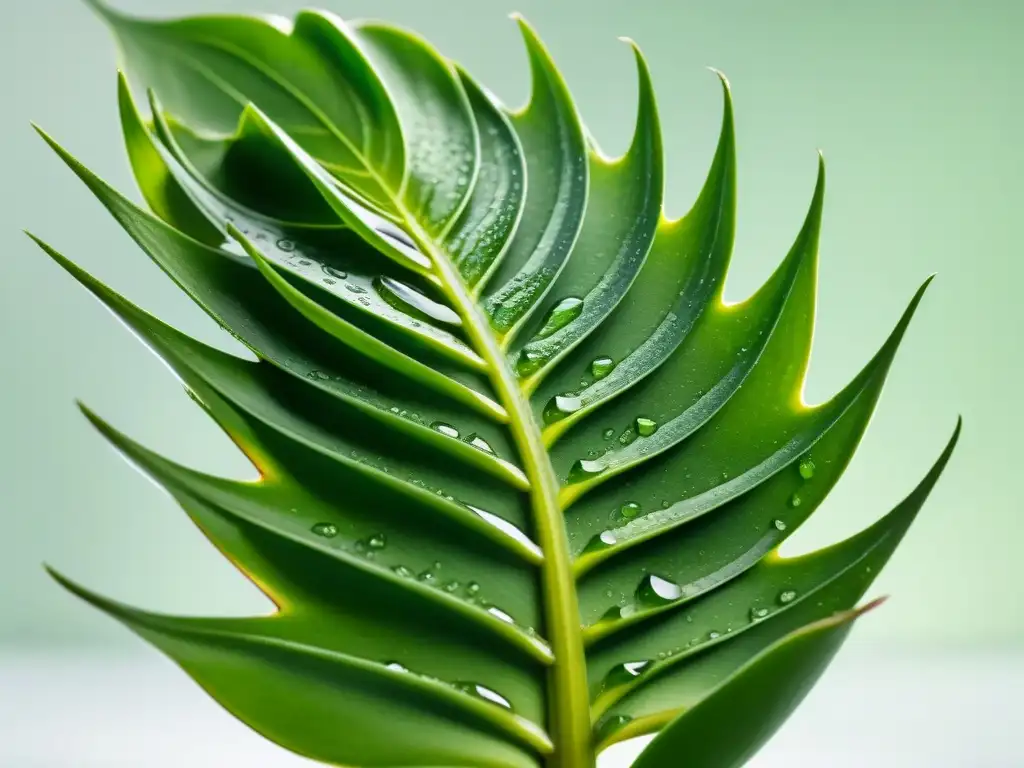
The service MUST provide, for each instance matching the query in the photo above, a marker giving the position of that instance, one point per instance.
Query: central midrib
(568, 700)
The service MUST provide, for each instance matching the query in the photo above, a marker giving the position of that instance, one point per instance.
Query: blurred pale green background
(917, 104)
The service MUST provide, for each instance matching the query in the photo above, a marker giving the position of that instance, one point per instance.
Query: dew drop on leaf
(563, 313)
(787, 596)
(529, 362)
(327, 530)
(445, 429)
(780, 525)
(584, 469)
(657, 591)
(610, 725)
(794, 500)
(645, 427)
(608, 434)
(624, 673)
(601, 367)
(407, 299)
(472, 589)
(500, 614)
(286, 245)
(485, 693)
(756, 614)
(630, 510)
(807, 468)
(333, 272)
(478, 442)
(377, 541)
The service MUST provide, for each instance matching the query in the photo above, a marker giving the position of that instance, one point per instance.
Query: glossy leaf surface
(523, 473)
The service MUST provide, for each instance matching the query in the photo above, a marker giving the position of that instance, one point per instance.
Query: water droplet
(377, 541)
(482, 692)
(394, 666)
(756, 614)
(451, 586)
(610, 725)
(584, 469)
(563, 313)
(333, 272)
(601, 367)
(500, 614)
(529, 362)
(807, 468)
(478, 442)
(327, 530)
(472, 589)
(427, 577)
(780, 525)
(402, 571)
(354, 288)
(445, 429)
(407, 299)
(625, 673)
(568, 403)
(645, 427)
(657, 591)
(317, 376)
(714, 635)
(794, 500)
(630, 510)
(286, 245)
(509, 529)
(608, 434)
(397, 235)
(788, 596)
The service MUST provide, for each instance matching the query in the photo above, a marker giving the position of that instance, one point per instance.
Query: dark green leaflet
(523, 474)
(556, 159)
(684, 269)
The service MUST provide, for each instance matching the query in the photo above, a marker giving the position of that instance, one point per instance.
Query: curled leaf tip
(721, 76)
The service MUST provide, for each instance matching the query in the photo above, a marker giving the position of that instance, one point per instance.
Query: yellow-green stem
(569, 713)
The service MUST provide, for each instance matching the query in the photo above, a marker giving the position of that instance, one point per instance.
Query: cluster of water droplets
(367, 547)
(599, 461)
(655, 592)
(431, 576)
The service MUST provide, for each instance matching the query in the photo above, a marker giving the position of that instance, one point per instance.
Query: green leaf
(522, 473)
(727, 727)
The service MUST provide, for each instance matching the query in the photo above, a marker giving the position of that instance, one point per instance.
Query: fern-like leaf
(523, 473)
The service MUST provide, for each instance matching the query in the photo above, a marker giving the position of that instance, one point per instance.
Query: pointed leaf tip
(721, 76)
